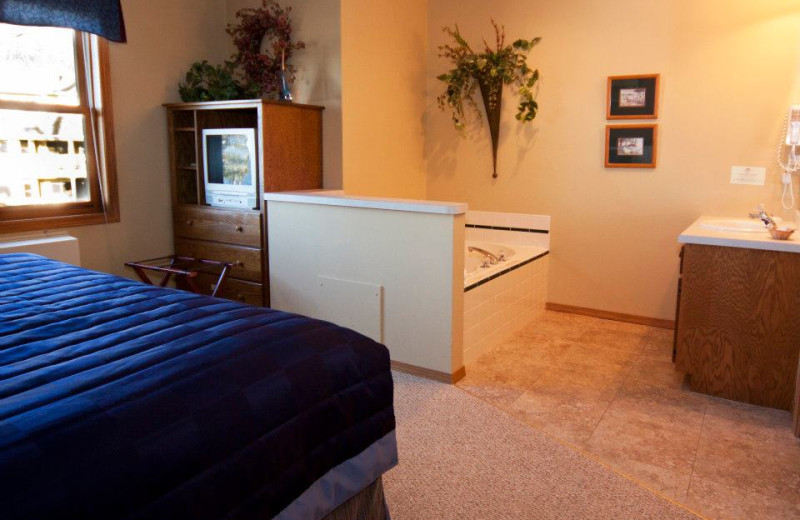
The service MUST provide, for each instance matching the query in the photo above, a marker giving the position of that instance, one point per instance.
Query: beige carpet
(460, 458)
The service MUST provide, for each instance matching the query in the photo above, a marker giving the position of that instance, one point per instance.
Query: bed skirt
(345, 482)
(369, 504)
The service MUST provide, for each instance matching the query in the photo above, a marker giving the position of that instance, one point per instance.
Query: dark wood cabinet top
(237, 103)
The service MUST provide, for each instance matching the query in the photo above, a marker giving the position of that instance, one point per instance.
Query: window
(57, 165)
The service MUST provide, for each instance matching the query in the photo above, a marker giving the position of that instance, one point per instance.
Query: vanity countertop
(698, 234)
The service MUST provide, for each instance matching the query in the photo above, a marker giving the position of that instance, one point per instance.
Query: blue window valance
(100, 17)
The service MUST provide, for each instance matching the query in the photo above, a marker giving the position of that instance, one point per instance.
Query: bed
(123, 400)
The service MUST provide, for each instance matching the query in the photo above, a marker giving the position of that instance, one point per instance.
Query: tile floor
(610, 390)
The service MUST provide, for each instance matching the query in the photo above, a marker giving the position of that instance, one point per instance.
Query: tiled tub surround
(500, 300)
(508, 228)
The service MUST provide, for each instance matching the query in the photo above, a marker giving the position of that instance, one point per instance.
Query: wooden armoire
(288, 139)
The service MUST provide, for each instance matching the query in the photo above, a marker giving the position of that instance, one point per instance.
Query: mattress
(123, 400)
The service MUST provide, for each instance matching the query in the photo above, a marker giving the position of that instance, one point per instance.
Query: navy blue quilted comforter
(122, 400)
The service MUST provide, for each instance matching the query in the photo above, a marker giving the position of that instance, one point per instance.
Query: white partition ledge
(394, 273)
(339, 198)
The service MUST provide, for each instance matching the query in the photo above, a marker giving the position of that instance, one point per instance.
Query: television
(229, 163)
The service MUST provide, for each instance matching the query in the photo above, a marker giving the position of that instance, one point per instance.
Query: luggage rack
(183, 268)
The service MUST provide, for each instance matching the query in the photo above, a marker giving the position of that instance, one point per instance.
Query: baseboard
(608, 315)
(427, 373)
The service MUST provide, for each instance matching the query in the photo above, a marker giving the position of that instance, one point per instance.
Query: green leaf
(206, 82)
(521, 44)
(504, 65)
(458, 38)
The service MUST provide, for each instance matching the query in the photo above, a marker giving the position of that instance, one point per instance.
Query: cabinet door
(292, 148)
(740, 323)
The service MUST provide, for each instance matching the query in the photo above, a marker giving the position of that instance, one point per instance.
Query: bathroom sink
(739, 225)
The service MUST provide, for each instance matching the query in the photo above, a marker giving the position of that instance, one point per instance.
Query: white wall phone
(787, 155)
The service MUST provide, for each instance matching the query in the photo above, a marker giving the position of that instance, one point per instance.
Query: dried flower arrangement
(263, 69)
(488, 71)
(252, 73)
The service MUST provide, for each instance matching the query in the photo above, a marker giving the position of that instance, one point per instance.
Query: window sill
(37, 224)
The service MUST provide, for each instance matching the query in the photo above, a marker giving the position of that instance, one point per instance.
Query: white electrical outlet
(752, 175)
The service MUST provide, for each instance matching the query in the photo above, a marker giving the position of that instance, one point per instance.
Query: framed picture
(632, 97)
(631, 146)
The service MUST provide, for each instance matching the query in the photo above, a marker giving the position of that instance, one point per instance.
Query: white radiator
(63, 248)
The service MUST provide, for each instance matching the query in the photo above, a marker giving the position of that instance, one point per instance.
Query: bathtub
(515, 256)
(501, 299)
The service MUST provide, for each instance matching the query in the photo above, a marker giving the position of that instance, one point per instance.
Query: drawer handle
(240, 297)
(239, 229)
(190, 222)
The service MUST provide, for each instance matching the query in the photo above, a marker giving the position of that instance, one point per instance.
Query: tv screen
(228, 159)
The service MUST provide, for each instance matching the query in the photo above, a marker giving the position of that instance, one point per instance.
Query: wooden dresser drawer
(249, 258)
(233, 289)
(232, 227)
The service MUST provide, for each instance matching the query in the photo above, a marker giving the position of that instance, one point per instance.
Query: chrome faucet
(493, 259)
(762, 215)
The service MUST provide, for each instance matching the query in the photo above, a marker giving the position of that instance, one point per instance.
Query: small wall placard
(631, 146)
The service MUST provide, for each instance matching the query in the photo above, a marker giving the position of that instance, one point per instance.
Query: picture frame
(631, 146)
(633, 97)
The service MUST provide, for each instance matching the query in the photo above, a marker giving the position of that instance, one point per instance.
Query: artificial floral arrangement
(252, 73)
(488, 71)
(262, 69)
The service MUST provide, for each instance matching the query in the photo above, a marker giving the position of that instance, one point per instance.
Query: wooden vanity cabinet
(738, 324)
(796, 404)
(288, 157)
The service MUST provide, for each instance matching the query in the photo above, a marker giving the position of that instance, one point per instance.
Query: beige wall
(164, 38)
(319, 70)
(383, 97)
(729, 69)
(369, 57)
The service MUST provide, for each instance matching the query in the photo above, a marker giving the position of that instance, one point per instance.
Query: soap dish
(782, 233)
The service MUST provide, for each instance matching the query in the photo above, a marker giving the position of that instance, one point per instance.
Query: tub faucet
(492, 258)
